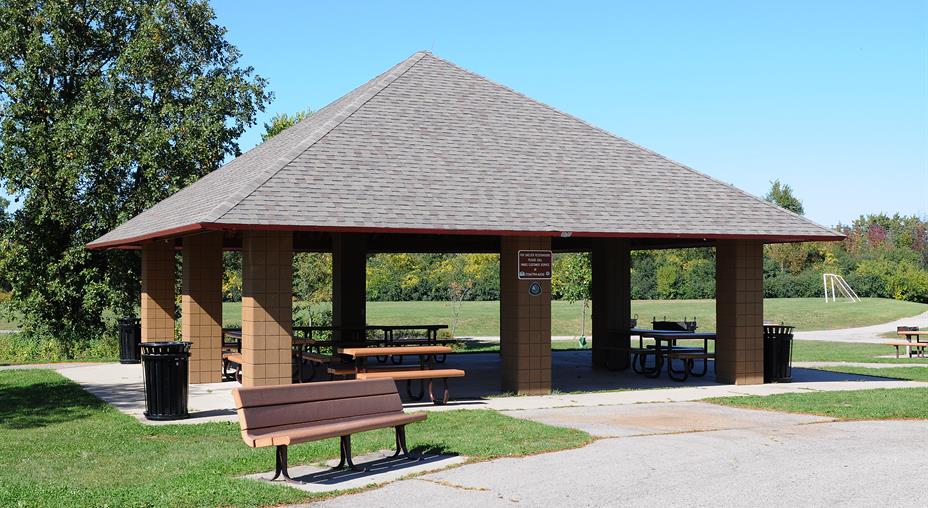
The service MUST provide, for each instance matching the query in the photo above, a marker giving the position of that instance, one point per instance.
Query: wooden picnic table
(232, 337)
(913, 337)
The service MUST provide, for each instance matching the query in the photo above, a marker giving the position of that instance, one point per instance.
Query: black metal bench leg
(401, 444)
(346, 456)
(280, 469)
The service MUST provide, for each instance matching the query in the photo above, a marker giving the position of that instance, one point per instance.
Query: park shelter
(429, 157)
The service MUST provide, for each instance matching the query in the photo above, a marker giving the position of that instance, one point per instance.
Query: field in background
(482, 318)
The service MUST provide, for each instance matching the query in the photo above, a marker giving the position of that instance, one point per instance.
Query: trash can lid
(169, 345)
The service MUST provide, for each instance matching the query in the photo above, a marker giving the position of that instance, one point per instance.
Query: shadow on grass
(44, 403)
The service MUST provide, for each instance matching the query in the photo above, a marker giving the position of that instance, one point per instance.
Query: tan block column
(201, 305)
(612, 303)
(525, 322)
(158, 291)
(267, 308)
(739, 307)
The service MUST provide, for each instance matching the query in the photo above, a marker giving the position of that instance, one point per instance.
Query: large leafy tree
(106, 107)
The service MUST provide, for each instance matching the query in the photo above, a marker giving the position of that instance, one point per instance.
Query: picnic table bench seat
(408, 374)
(232, 366)
(688, 356)
(286, 415)
(919, 347)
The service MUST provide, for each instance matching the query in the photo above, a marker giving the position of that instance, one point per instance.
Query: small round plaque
(534, 288)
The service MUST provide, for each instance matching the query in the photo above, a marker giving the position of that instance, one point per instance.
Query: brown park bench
(285, 415)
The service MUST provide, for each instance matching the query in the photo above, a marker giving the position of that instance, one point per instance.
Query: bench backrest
(906, 328)
(267, 407)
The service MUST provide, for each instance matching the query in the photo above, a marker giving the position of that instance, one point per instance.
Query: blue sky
(831, 98)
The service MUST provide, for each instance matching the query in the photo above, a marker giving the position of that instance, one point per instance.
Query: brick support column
(267, 307)
(349, 281)
(158, 291)
(612, 304)
(739, 307)
(201, 305)
(525, 322)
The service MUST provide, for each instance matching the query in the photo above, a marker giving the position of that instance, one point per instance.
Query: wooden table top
(914, 332)
(362, 352)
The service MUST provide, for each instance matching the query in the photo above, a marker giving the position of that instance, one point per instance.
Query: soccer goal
(837, 284)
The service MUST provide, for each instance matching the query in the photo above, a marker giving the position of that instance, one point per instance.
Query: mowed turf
(64, 447)
(882, 404)
(822, 351)
(890, 403)
(482, 318)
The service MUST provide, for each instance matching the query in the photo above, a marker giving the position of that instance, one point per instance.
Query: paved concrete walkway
(121, 386)
(689, 454)
(864, 334)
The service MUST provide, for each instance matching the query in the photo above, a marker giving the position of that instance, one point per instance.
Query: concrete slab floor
(647, 419)
(380, 467)
(768, 460)
(121, 386)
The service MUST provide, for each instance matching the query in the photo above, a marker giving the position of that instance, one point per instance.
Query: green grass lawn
(891, 403)
(820, 351)
(482, 318)
(64, 447)
(905, 373)
(884, 404)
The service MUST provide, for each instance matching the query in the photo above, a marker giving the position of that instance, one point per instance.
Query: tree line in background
(883, 256)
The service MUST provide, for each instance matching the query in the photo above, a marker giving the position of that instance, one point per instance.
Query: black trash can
(165, 373)
(778, 353)
(130, 335)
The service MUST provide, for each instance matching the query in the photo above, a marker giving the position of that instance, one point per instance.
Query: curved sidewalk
(864, 334)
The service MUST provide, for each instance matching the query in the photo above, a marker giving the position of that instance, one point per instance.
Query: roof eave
(134, 242)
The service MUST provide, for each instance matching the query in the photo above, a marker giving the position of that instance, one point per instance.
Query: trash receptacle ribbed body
(778, 353)
(130, 335)
(165, 373)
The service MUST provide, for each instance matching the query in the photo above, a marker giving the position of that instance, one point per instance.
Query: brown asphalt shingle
(428, 146)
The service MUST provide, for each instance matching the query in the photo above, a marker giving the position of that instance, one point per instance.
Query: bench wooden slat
(289, 394)
(324, 430)
(410, 374)
(398, 351)
(690, 354)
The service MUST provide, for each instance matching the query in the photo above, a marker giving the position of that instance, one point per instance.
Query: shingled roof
(429, 147)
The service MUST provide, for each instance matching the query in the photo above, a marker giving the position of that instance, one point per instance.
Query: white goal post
(834, 281)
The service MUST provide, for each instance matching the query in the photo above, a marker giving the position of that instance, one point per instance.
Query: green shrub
(20, 348)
